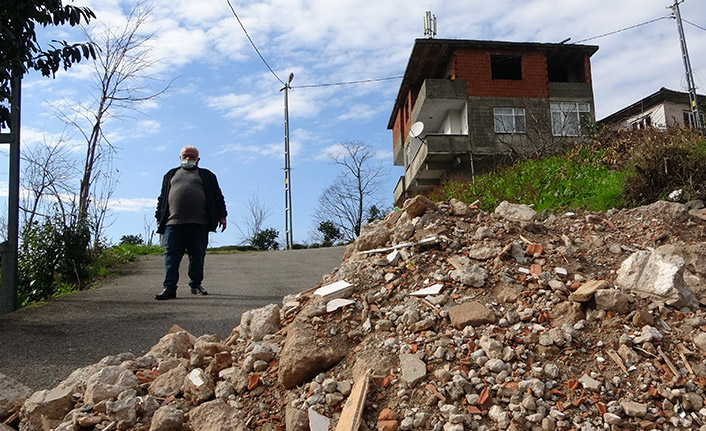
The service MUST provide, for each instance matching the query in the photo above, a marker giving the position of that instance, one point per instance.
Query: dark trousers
(192, 238)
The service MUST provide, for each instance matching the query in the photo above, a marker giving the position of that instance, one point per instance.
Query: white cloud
(132, 204)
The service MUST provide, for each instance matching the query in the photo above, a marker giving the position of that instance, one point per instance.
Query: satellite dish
(416, 130)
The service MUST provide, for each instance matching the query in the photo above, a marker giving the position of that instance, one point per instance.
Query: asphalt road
(41, 346)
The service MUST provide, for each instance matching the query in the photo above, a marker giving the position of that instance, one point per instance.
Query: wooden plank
(353, 408)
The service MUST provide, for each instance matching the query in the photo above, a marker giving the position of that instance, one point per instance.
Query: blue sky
(226, 102)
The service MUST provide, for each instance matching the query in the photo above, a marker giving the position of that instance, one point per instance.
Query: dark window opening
(506, 67)
(566, 71)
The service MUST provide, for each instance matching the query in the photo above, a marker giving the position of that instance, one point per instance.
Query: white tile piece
(434, 289)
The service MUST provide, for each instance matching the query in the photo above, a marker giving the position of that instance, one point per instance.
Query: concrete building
(482, 101)
(660, 110)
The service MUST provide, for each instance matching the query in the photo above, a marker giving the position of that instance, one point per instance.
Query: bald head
(189, 152)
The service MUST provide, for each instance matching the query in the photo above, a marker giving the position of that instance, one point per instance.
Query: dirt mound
(441, 317)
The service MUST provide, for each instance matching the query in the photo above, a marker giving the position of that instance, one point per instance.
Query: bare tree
(48, 172)
(254, 220)
(358, 187)
(148, 226)
(98, 214)
(120, 76)
(533, 128)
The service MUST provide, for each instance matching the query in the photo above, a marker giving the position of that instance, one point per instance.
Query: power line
(301, 86)
(253, 43)
(623, 29)
(695, 25)
(362, 81)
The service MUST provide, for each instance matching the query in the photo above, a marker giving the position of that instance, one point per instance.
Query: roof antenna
(429, 25)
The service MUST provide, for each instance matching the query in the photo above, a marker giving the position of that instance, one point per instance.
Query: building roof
(659, 97)
(430, 57)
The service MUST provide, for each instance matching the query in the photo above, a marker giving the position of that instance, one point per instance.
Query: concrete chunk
(660, 276)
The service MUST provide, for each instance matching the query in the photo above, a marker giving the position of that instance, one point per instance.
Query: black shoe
(166, 294)
(198, 290)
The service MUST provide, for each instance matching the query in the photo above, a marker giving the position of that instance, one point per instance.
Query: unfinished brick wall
(474, 67)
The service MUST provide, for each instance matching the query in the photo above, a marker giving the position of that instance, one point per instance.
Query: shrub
(53, 256)
(660, 162)
(266, 239)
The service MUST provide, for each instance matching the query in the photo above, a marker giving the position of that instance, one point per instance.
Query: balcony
(435, 156)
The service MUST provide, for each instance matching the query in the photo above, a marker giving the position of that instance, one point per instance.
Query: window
(643, 123)
(689, 118)
(509, 120)
(567, 117)
(506, 67)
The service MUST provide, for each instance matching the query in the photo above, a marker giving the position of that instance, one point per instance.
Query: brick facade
(474, 66)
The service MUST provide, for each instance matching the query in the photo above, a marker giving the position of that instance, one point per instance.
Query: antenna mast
(429, 24)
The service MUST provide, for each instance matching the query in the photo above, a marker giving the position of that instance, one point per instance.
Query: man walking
(189, 206)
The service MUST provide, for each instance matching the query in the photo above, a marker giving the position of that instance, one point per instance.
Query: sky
(225, 100)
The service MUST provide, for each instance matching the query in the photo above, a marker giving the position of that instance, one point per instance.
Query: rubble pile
(441, 317)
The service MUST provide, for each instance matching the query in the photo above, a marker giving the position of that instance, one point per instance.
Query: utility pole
(8, 249)
(698, 123)
(287, 173)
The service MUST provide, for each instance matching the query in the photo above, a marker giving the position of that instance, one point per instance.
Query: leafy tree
(20, 51)
(359, 184)
(131, 240)
(330, 232)
(266, 239)
(375, 213)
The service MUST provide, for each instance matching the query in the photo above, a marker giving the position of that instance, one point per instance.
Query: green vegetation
(55, 260)
(617, 170)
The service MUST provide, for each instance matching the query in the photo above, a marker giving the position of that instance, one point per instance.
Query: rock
(700, 341)
(296, 419)
(473, 275)
(216, 416)
(305, 355)
(418, 205)
(255, 324)
(402, 233)
(173, 345)
(698, 213)
(612, 300)
(459, 208)
(483, 251)
(642, 318)
(198, 386)
(634, 409)
(629, 354)
(657, 275)
(237, 377)
(516, 212)
(567, 313)
(484, 232)
(123, 410)
(535, 386)
(586, 291)
(590, 383)
(413, 369)
(169, 383)
(672, 211)
(48, 406)
(167, 418)
(376, 236)
(470, 313)
(108, 383)
(500, 416)
(12, 394)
